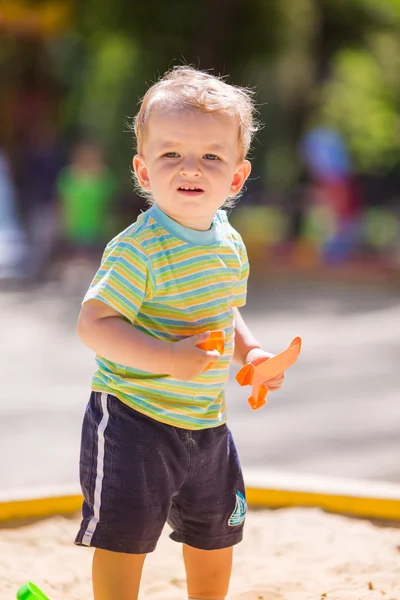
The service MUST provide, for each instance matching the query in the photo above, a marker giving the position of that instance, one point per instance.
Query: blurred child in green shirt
(86, 189)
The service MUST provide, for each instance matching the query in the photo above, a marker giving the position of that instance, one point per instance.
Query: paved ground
(338, 414)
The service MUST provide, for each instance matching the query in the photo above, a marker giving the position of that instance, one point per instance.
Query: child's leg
(208, 514)
(116, 575)
(131, 468)
(208, 572)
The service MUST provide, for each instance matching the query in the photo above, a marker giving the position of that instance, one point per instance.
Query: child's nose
(190, 168)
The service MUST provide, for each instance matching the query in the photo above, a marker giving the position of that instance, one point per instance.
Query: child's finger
(278, 378)
(276, 382)
(200, 338)
(274, 388)
(213, 355)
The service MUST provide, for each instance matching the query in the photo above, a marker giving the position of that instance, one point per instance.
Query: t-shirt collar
(192, 236)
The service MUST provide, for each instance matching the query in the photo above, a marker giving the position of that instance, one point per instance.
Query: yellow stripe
(39, 507)
(379, 508)
(182, 271)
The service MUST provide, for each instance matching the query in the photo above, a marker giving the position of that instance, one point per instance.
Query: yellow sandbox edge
(12, 510)
(359, 497)
(269, 489)
(377, 508)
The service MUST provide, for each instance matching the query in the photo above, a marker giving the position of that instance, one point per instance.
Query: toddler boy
(155, 444)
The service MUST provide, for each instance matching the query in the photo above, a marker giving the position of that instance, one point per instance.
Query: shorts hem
(131, 547)
(218, 543)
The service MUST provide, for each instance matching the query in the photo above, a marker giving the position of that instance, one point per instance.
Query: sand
(287, 554)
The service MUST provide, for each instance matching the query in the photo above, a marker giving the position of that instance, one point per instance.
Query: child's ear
(242, 171)
(141, 172)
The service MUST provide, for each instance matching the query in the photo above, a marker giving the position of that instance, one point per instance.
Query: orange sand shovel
(214, 342)
(268, 369)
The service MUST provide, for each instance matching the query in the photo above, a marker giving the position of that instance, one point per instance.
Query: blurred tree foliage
(330, 62)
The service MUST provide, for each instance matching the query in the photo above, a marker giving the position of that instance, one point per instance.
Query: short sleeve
(124, 279)
(241, 285)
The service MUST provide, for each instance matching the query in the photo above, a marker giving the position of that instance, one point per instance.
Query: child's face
(191, 149)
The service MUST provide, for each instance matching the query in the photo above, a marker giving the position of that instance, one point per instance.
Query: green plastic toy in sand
(29, 591)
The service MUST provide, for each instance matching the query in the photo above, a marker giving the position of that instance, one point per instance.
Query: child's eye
(170, 155)
(211, 157)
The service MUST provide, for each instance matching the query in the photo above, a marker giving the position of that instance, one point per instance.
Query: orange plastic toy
(268, 369)
(215, 342)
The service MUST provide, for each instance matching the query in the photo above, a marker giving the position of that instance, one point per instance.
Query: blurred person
(85, 189)
(333, 204)
(42, 159)
(14, 249)
(155, 444)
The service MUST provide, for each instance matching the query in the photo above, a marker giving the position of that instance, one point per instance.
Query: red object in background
(341, 195)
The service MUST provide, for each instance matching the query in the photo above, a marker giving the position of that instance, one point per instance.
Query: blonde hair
(184, 87)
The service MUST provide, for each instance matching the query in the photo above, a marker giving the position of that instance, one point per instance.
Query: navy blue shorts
(138, 474)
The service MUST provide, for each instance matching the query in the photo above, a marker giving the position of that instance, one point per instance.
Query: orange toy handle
(257, 401)
(259, 393)
(216, 341)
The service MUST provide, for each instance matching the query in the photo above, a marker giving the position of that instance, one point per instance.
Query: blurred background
(321, 214)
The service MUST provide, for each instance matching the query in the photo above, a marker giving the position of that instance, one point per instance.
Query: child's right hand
(187, 360)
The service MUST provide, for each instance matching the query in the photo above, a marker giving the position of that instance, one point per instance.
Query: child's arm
(248, 349)
(107, 333)
(244, 339)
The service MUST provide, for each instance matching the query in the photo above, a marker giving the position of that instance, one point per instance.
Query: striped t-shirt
(171, 282)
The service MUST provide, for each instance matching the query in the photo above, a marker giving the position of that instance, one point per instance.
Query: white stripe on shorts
(91, 528)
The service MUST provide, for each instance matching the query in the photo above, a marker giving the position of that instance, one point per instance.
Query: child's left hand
(257, 356)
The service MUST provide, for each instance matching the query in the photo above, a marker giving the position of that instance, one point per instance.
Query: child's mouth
(190, 190)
